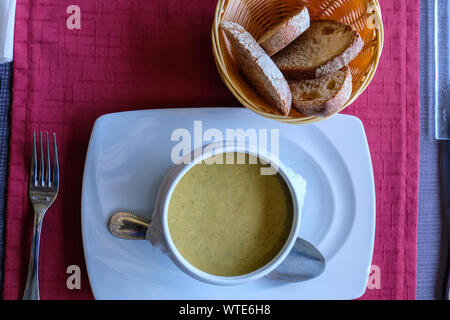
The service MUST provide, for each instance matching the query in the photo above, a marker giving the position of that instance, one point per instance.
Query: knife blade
(7, 17)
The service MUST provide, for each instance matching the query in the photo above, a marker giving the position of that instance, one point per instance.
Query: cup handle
(126, 225)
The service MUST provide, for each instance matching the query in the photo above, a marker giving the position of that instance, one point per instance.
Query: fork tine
(55, 163)
(41, 165)
(33, 171)
(48, 174)
(42, 195)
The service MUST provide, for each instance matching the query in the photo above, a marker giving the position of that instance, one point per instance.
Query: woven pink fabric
(138, 54)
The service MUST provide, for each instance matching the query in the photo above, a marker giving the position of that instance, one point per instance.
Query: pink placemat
(137, 54)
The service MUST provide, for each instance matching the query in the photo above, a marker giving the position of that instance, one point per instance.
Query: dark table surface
(5, 86)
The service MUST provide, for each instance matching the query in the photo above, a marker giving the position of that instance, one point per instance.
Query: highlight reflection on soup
(228, 219)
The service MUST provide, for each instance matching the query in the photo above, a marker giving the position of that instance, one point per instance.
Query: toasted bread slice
(325, 47)
(322, 97)
(258, 67)
(279, 36)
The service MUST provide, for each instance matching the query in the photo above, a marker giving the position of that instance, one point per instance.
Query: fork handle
(32, 285)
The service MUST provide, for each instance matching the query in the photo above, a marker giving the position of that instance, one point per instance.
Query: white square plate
(129, 154)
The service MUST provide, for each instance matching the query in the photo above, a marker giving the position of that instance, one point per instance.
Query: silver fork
(42, 190)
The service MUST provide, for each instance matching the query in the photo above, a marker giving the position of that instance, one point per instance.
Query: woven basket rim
(220, 63)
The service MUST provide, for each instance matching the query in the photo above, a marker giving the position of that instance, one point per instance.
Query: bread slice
(324, 48)
(279, 36)
(322, 97)
(258, 67)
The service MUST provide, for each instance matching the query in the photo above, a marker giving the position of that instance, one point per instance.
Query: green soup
(228, 219)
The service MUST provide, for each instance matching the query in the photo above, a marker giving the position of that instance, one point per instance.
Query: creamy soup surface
(228, 219)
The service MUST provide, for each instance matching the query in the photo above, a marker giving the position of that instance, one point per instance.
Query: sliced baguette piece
(322, 97)
(258, 67)
(324, 48)
(279, 36)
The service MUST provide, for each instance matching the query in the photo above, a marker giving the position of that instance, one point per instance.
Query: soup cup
(158, 232)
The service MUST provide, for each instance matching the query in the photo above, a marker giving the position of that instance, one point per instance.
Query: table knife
(442, 116)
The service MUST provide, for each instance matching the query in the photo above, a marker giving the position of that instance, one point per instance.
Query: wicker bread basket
(257, 16)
